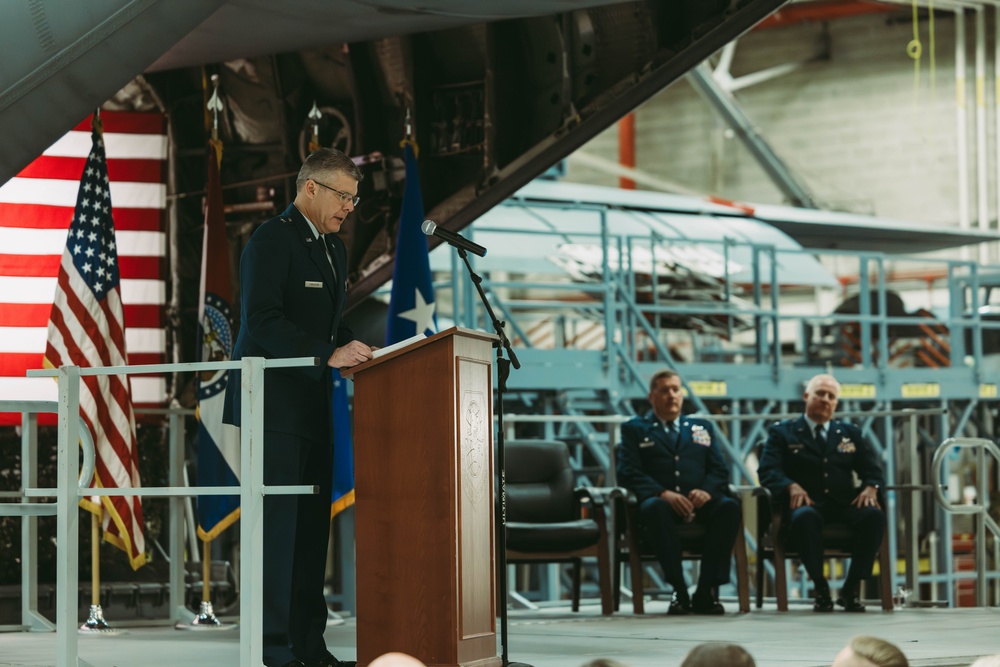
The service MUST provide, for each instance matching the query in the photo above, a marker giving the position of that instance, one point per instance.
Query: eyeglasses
(344, 196)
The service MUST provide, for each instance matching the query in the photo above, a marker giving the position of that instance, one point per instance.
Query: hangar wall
(849, 125)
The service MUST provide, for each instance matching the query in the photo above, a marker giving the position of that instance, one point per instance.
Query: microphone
(430, 228)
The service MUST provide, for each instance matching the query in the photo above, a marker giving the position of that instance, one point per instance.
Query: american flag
(35, 211)
(87, 328)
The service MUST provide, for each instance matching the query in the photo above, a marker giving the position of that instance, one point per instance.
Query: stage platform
(556, 637)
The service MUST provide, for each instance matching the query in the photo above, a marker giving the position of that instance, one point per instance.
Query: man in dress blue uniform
(292, 294)
(678, 474)
(809, 464)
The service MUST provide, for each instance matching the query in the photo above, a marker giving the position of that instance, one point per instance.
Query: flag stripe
(37, 266)
(51, 242)
(57, 192)
(12, 363)
(28, 340)
(44, 216)
(119, 171)
(33, 290)
(31, 315)
(124, 123)
(119, 145)
(147, 389)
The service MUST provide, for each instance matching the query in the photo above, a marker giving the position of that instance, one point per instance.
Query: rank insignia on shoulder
(846, 446)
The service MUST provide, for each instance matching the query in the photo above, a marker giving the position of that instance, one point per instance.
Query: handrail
(251, 490)
(86, 438)
(983, 520)
(936, 466)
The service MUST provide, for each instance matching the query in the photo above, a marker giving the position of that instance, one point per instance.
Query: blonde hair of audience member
(866, 651)
(395, 660)
(718, 655)
(987, 661)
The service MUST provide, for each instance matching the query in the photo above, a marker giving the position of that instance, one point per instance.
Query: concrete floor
(556, 637)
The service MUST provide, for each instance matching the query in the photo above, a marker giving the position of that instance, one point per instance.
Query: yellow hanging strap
(930, 36)
(914, 50)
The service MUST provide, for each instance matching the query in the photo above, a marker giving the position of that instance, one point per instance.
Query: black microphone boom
(452, 238)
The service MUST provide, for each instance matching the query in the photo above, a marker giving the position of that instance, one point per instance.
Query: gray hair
(324, 162)
(816, 379)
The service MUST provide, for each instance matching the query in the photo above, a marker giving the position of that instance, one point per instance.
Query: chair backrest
(539, 481)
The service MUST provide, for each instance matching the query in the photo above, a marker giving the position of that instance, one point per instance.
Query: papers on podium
(396, 346)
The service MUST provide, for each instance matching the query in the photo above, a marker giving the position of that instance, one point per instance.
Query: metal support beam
(725, 105)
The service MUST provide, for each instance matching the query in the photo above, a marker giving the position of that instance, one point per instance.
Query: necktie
(326, 238)
(820, 438)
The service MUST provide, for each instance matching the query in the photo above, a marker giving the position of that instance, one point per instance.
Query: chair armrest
(598, 495)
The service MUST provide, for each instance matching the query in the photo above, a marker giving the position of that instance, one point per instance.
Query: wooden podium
(424, 528)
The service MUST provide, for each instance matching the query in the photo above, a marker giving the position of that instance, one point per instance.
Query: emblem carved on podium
(475, 417)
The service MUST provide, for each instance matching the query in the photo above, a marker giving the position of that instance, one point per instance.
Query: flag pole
(206, 618)
(95, 623)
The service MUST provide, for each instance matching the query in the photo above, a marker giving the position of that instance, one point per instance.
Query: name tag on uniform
(795, 447)
(314, 283)
(647, 443)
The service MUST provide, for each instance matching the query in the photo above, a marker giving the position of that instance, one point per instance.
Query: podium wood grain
(423, 439)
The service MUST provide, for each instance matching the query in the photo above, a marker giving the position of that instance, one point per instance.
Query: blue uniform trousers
(720, 515)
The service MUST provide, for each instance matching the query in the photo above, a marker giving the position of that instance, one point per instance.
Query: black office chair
(545, 521)
(631, 546)
(772, 543)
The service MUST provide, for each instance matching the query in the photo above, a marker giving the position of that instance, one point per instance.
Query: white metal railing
(251, 490)
(983, 520)
(22, 505)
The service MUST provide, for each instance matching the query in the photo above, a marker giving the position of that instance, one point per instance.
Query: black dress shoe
(823, 603)
(331, 661)
(679, 606)
(851, 603)
(706, 605)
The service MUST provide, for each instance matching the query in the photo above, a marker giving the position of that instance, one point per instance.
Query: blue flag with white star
(411, 305)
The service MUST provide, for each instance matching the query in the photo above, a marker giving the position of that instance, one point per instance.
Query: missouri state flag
(218, 443)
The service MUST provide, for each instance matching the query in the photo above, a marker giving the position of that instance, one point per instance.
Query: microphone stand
(503, 371)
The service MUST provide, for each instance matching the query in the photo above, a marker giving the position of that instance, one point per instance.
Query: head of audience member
(987, 661)
(870, 652)
(602, 662)
(718, 655)
(665, 395)
(821, 398)
(395, 660)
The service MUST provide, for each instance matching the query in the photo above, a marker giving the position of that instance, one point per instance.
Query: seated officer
(808, 463)
(678, 474)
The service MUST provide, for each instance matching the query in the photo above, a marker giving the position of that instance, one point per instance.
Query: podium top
(452, 331)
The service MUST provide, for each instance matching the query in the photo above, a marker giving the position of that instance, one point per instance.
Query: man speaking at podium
(292, 294)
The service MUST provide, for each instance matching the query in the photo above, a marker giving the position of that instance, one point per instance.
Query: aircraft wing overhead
(496, 93)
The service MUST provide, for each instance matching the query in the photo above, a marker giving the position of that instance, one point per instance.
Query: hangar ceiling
(495, 92)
